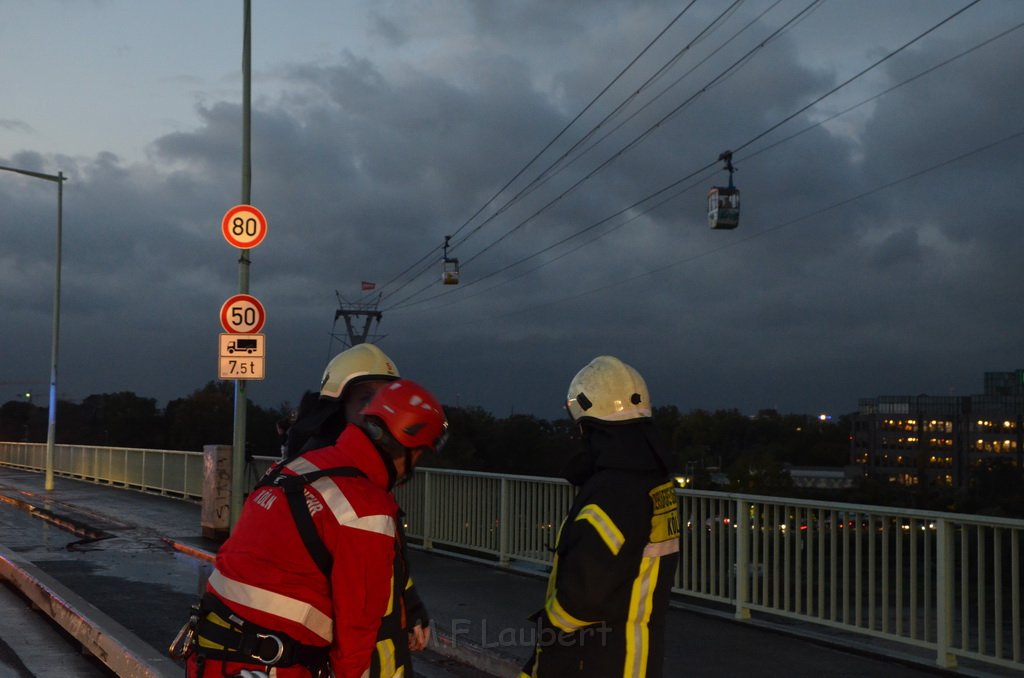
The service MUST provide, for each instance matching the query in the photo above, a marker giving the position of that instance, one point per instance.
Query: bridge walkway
(121, 567)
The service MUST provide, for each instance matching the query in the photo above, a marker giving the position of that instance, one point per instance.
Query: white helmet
(362, 361)
(608, 389)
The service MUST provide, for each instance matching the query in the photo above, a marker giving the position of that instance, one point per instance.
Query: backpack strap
(294, 487)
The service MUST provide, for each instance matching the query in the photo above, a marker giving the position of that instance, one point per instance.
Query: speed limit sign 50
(242, 314)
(244, 226)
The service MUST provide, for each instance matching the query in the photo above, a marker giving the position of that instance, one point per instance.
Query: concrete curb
(471, 655)
(110, 642)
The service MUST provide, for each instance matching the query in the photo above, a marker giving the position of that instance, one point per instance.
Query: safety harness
(216, 632)
(224, 635)
(294, 487)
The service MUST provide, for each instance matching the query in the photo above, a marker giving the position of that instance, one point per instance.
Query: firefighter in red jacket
(349, 381)
(301, 586)
(616, 554)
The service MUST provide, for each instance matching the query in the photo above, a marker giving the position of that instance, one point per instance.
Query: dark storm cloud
(15, 125)
(363, 166)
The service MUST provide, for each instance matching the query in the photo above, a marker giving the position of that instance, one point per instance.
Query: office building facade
(942, 440)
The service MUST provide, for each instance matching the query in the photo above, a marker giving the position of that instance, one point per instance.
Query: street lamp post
(51, 426)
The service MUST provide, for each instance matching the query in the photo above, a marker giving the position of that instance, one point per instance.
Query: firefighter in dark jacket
(617, 551)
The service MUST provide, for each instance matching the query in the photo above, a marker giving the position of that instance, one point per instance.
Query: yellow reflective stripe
(562, 619)
(661, 548)
(641, 603)
(391, 594)
(386, 656)
(272, 603)
(605, 526)
(665, 518)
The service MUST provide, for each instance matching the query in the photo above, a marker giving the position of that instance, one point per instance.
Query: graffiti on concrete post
(216, 509)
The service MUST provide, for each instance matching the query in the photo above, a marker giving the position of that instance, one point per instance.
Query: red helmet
(410, 413)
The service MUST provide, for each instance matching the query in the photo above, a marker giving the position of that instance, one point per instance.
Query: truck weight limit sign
(244, 226)
(241, 356)
(242, 314)
(240, 368)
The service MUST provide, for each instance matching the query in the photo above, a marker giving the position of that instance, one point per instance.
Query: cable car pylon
(352, 312)
(724, 201)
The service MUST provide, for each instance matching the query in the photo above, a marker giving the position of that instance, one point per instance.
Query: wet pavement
(136, 557)
(141, 559)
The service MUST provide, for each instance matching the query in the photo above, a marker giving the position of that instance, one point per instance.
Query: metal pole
(51, 426)
(238, 444)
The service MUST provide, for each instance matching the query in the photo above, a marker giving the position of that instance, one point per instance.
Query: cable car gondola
(450, 270)
(724, 201)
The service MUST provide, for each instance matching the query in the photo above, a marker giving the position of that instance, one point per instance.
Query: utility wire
(852, 78)
(777, 227)
(578, 115)
(650, 130)
(716, 80)
(404, 301)
(692, 174)
(883, 92)
(674, 83)
(556, 166)
(552, 142)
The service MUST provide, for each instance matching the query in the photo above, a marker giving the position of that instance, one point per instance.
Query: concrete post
(215, 516)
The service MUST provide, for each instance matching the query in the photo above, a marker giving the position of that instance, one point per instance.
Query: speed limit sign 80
(242, 314)
(244, 226)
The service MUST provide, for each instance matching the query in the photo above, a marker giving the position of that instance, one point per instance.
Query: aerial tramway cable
(407, 302)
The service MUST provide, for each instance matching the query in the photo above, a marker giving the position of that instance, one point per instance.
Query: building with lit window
(942, 440)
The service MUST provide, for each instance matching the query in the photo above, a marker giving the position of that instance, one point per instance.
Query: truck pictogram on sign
(239, 345)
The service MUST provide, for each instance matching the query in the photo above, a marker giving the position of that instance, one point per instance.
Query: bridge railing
(167, 472)
(949, 584)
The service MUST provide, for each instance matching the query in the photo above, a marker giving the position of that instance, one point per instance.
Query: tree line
(719, 450)
(701, 441)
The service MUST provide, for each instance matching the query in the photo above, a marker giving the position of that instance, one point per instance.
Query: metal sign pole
(238, 444)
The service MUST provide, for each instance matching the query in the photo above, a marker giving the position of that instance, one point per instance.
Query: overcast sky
(878, 253)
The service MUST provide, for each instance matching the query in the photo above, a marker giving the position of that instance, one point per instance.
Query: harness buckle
(280, 649)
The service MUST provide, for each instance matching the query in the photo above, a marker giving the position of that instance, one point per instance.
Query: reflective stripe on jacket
(609, 587)
(265, 574)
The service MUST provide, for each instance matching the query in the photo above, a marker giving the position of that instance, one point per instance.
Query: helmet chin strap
(407, 476)
(389, 450)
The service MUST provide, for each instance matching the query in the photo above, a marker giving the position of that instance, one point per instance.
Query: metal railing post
(503, 555)
(742, 564)
(427, 513)
(944, 582)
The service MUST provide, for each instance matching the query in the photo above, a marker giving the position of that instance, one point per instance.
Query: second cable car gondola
(450, 270)
(724, 201)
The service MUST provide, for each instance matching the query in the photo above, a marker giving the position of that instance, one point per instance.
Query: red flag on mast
(367, 286)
